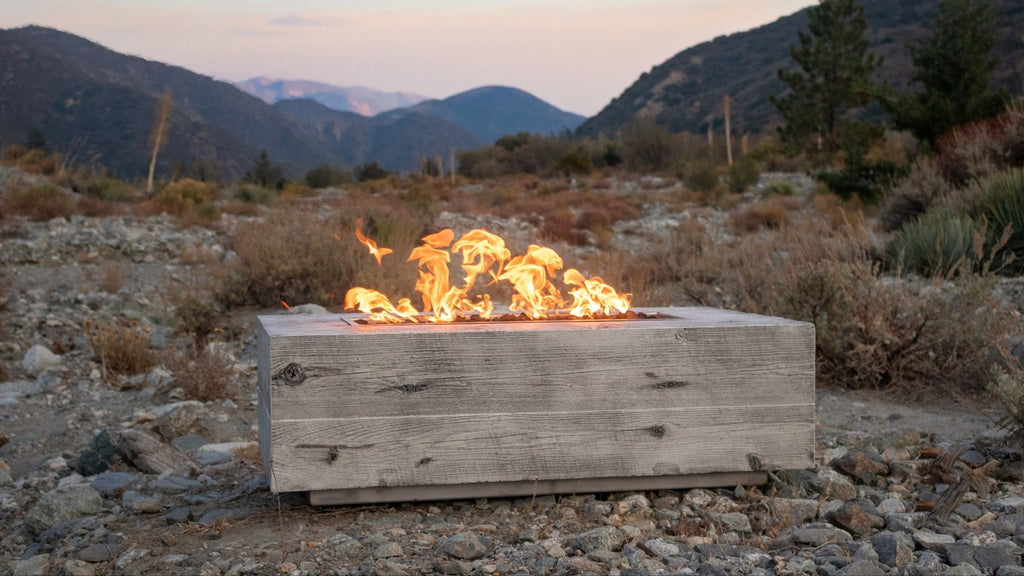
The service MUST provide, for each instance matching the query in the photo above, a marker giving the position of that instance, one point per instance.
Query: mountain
(358, 99)
(490, 112)
(96, 104)
(397, 142)
(684, 91)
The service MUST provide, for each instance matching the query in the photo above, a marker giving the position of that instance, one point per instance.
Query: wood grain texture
(374, 409)
(511, 489)
(553, 367)
(469, 448)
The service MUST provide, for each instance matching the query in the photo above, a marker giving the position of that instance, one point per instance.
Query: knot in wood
(293, 374)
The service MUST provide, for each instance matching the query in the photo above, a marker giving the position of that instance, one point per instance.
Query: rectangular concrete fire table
(356, 413)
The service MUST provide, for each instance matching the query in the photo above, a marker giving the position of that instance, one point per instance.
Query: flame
(376, 252)
(484, 253)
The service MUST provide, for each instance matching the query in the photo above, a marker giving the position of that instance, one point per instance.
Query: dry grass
(121, 347)
(773, 213)
(111, 277)
(298, 259)
(41, 203)
(202, 374)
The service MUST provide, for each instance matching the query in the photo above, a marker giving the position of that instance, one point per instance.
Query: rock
(38, 565)
(795, 510)
(990, 558)
(307, 309)
(179, 515)
(863, 466)
(386, 568)
(189, 442)
(820, 534)
(60, 506)
(735, 521)
(968, 511)
(112, 484)
(217, 514)
(931, 541)
(1009, 505)
(834, 485)
(892, 506)
(147, 504)
(182, 420)
(97, 553)
(909, 522)
(79, 568)
(962, 570)
(39, 359)
(152, 456)
(893, 551)
(661, 547)
(862, 568)
(99, 456)
(176, 485)
(465, 545)
(859, 517)
(604, 538)
(388, 550)
(928, 564)
(210, 454)
(1010, 571)
(957, 553)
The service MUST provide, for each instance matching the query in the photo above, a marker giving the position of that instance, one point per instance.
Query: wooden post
(745, 143)
(711, 137)
(728, 131)
(451, 163)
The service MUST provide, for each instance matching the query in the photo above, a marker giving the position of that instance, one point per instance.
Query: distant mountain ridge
(92, 103)
(359, 99)
(685, 92)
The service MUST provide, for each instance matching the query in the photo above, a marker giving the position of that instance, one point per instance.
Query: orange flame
(483, 253)
(376, 252)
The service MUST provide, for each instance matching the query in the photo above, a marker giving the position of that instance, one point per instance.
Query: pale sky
(575, 54)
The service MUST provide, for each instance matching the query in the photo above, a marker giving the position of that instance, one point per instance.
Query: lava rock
(858, 516)
(99, 456)
(861, 465)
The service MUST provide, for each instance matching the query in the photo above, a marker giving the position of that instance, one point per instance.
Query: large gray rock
(893, 550)
(62, 505)
(465, 545)
(39, 359)
(604, 538)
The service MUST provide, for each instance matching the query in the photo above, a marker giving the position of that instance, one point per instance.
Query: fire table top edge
(284, 324)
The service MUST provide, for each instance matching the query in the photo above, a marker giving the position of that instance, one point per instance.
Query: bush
(743, 174)
(1008, 387)
(187, 199)
(1003, 207)
(121, 347)
(779, 188)
(769, 214)
(41, 202)
(980, 149)
(937, 244)
(575, 161)
(864, 180)
(913, 195)
(297, 258)
(701, 175)
(325, 176)
(202, 374)
(370, 171)
(196, 316)
(110, 190)
(252, 194)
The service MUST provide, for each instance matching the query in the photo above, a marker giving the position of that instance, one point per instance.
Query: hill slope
(490, 112)
(396, 142)
(683, 92)
(94, 103)
(358, 99)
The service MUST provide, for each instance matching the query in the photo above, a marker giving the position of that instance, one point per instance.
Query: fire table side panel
(354, 373)
(472, 448)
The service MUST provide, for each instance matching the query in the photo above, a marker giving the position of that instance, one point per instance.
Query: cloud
(303, 21)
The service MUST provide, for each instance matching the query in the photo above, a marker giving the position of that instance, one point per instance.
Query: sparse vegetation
(121, 347)
(202, 374)
(41, 202)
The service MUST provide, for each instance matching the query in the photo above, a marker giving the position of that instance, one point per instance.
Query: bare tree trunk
(159, 136)
(728, 131)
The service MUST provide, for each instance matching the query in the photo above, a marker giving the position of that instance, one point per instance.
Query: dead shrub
(111, 277)
(122, 347)
(41, 203)
(201, 374)
(1008, 385)
(768, 214)
(97, 208)
(298, 258)
(195, 315)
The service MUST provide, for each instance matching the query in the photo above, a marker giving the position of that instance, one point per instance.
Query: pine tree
(834, 77)
(952, 67)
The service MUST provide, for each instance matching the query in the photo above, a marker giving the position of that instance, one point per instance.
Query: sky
(575, 54)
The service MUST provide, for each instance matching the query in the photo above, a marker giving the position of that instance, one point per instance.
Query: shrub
(195, 315)
(768, 214)
(252, 194)
(779, 188)
(1008, 386)
(111, 278)
(190, 200)
(294, 257)
(1003, 207)
(743, 174)
(913, 195)
(982, 148)
(202, 374)
(41, 202)
(701, 174)
(370, 171)
(575, 161)
(325, 176)
(937, 243)
(121, 347)
(862, 179)
(110, 190)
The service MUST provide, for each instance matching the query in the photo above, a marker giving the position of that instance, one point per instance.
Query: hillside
(359, 99)
(397, 142)
(683, 92)
(490, 112)
(96, 104)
